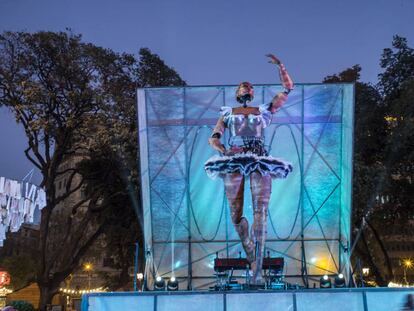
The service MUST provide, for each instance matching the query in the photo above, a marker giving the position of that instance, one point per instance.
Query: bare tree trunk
(46, 296)
(124, 277)
(384, 251)
(376, 271)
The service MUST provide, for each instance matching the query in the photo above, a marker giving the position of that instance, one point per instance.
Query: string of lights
(79, 292)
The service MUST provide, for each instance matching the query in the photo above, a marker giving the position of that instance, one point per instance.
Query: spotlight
(172, 284)
(159, 284)
(339, 281)
(325, 282)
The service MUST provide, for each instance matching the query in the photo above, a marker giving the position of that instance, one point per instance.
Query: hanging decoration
(18, 203)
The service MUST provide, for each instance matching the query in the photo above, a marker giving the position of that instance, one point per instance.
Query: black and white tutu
(246, 163)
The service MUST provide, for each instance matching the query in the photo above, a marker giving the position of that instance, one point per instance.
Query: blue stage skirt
(246, 163)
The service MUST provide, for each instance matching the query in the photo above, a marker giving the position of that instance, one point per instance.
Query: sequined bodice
(246, 129)
(241, 125)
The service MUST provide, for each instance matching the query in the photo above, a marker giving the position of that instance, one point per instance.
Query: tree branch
(383, 249)
(26, 152)
(71, 191)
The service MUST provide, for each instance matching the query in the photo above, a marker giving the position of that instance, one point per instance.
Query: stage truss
(186, 217)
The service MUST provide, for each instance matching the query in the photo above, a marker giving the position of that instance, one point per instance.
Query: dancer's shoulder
(225, 111)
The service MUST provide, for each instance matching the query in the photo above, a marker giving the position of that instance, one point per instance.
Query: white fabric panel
(17, 204)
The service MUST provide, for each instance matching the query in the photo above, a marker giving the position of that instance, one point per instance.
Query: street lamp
(407, 264)
(88, 267)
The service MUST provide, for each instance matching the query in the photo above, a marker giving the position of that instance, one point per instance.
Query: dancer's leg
(261, 188)
(234, 186)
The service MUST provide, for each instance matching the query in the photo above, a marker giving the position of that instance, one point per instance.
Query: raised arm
(287, 83)
(218, 132)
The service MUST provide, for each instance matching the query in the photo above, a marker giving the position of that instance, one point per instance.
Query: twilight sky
(217, 41)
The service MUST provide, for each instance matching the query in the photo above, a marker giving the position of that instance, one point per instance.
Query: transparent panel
(186, 214)
(322, 257)
(170, 257)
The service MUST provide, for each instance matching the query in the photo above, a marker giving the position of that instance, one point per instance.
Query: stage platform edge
(347, 299)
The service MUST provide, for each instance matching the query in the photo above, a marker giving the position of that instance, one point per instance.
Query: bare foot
(257, 275)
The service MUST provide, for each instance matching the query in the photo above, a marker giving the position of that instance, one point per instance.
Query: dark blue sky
(218, 41)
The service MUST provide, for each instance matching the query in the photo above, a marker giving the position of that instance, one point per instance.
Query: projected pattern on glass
(186, 216)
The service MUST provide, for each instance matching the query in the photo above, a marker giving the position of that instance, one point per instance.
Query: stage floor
(355, 299)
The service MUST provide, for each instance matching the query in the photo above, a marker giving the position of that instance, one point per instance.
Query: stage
(187, 226)
(347, 299)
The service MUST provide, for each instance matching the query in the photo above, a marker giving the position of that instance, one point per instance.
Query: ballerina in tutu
(247, 156)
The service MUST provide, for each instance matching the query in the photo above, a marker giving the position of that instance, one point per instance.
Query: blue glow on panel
(385, 301)
(329, 301)
(313, 131)
(260, 301)
(116, 303)
(347, 299)
(194, 302)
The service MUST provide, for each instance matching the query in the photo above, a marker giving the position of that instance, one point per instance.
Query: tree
(396, 83)
(112, 175)
(22, 305)
(398, 65)
(70, 96)
(397, 86)
(369, 116)
(153, 71)
(54, 84)
(384, 153)
(21, 269)
(116, 150)
(370, 128)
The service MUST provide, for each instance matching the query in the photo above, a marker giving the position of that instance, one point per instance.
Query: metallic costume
(247, 156)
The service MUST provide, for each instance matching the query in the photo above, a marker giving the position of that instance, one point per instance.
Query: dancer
(247, 156)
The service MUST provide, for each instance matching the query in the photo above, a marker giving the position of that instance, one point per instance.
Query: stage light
(339, 281)
(325, 282)
(159, 284)
(172, 284)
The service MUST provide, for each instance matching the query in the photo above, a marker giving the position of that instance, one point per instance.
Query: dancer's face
(245, 90)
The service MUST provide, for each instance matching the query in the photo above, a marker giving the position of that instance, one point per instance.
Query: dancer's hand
(217, 145)
(273, 59)
(233, 151)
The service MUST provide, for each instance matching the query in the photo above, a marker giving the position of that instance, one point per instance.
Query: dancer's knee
(261, 207)
(236, 216)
